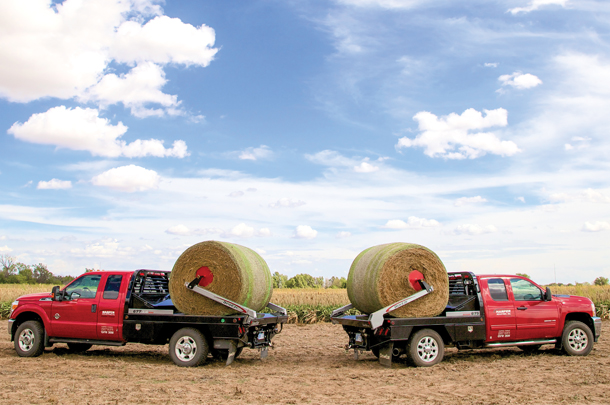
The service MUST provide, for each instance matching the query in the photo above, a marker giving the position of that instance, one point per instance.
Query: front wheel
(426, 348)
(188, 347)
(29, 339)
(577, 339)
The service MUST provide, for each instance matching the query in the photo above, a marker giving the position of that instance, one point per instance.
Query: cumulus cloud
(180, 229)
(236, 194)
(388, 4)
(469, 200)
(343, 234)
(305, 232)
(470, 229)
(365, 167)
(5, 249)
(242, 231)
(596, 227)
(441, 136)
(334, 159)
(264, 232)
(54, 184)
(536, 4)
(412, 223)
(130, 179)
(71, 44)
(492, 64)
(520, 80)
(83, 129)
(262, 152)
(287, 203)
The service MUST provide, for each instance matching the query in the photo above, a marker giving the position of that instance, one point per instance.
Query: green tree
(601, 281)
(305, 281)
(336, 282)
(279, 280)
(523, 275)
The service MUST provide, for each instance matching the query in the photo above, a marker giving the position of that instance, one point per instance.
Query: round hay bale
(233, 271)
(379, 276)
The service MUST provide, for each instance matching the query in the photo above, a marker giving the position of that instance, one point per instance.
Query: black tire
(188, 348)
(223, 354)
(530, 348)
(78, 347)
(426, 348)
(29, 339)
(375, 351)
(577, 339)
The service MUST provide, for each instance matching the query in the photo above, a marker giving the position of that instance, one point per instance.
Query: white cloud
(440, 137)
(305, 232)
(343, 234)
(128, 178)
(264, 232)
(54, 184)
(141, 86)
(492, 65)
(242, 231)
(596, 227)
(104, 248)
(521, 199)
(470, 229)
(180, 229)
(520, 81)
(83, 129)
(588, 195)
(412, 223)
(388, 4)
(236, 194)
(287, 203)
(365, 167)
(536, 4)
(469, 200)
(5, 249)
(63, 50)
(262, 152)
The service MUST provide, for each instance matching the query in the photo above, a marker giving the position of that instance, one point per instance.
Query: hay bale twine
(233, 271)
(379, 277)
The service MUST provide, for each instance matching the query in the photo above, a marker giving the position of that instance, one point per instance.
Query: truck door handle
(521, 308)
(93, 308)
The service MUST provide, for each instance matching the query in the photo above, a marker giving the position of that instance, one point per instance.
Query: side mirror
(548, 296)
(56, 294)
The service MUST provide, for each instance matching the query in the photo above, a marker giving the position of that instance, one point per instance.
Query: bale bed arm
(375, 320)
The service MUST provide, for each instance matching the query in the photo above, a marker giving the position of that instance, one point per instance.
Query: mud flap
(385, 354)
(264, 352)
(232, 350)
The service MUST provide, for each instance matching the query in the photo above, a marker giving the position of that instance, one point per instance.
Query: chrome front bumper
(597, 326)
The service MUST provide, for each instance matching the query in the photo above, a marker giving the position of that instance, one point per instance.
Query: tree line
(307, 281)
(14, 272)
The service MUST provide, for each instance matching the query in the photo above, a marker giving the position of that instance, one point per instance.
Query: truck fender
(26, 313)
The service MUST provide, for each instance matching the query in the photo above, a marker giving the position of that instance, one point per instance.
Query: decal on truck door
(503, 312)
(504, 333)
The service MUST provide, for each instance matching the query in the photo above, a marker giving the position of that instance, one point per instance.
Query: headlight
(14, 306)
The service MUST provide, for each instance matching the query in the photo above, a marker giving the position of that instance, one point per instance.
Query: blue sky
(307, 131)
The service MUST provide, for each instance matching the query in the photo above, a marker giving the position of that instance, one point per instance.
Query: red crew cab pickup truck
(484, 311)
(113, 308)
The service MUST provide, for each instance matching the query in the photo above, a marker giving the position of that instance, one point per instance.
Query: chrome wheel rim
(27, 339)
(427, 349)
(186, 348)
(577, 339)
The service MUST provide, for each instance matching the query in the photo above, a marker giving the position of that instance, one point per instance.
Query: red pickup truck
(483, 311)
(113, 308)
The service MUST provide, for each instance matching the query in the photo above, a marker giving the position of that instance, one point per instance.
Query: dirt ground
(308, 365)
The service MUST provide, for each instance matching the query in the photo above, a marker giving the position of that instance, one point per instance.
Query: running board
(523, 343)
(87, 341)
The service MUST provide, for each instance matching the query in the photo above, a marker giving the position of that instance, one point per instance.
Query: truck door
(536, 318)
(76, 315)
(110, 307)
(499, 311)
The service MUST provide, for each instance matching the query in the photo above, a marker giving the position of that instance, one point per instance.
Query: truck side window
(524, 290)
(497, 289)
(113, 284)
(84, 287)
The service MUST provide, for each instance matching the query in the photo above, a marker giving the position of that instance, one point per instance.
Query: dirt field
(309, 365)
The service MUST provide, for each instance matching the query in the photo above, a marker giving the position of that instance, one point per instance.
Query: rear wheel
(78, 347)
(426, 348)
(188, 347)
(530, 348)
(577, 339)
(29, 339)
